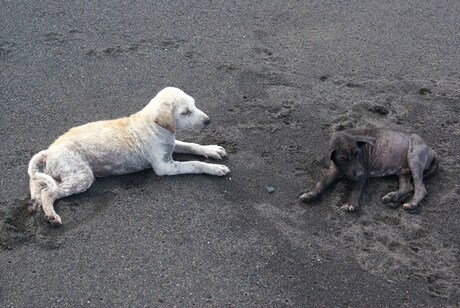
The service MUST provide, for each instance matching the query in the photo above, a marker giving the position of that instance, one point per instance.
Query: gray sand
(277, 79)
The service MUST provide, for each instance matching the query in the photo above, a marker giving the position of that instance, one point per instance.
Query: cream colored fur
(143, 140)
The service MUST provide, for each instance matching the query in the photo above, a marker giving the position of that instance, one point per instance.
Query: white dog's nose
(207, 121)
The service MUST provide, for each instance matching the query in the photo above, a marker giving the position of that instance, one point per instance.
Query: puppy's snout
(207, 121)
(359, 174)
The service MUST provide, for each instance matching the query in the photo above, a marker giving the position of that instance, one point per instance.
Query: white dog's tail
(36, 166)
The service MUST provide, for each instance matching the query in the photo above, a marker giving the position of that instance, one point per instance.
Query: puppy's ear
(165, 119)
(363, 140)
(325, 160)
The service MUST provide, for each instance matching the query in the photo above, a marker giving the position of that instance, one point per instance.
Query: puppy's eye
(186, 112)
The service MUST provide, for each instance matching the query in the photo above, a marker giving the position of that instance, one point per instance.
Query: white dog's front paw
(54, 219)
(214, 151)
(219, 170)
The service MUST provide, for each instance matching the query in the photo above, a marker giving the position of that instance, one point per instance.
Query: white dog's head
(173, 109)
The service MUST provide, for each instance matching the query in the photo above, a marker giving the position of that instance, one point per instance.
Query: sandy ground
(277, 79)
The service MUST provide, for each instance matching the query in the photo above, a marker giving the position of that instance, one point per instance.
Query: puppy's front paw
(410, 206)
(393, 196)
(214, 151)
(309, 196)
(219, 170)
(54, 219)
(390, 197)
(349, 208)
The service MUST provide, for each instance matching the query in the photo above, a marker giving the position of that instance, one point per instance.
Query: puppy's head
(347, 153)
(174, 109)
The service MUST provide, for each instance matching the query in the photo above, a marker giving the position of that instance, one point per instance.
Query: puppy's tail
(433, 167)
(36, 167)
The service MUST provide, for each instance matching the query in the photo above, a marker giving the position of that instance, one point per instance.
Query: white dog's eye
(186, 112)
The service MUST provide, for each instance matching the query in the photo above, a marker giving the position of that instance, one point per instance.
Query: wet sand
(277, 80)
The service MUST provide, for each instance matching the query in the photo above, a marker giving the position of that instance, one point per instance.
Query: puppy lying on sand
(143, 140)
(359, 154)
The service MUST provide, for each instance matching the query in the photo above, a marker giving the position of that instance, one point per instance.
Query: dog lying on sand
(358, 154)
(144, 140)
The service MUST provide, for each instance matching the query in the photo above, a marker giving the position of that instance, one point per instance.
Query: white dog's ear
(165, 118)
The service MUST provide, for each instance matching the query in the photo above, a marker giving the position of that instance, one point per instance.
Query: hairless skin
(360, 153)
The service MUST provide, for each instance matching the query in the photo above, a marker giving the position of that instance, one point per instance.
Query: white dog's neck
(144, 128)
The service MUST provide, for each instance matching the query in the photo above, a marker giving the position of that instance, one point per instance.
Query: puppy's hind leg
(418, 156)
(419, 187)
(71, 184)
(405, 187)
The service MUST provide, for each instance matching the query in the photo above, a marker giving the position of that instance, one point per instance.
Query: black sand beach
(277, 79)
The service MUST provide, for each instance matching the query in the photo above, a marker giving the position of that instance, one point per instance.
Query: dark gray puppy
(360, 153)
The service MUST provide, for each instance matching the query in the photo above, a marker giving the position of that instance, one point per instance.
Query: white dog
(145, 139)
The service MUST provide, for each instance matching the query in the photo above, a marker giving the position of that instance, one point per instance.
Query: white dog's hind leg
(35, 195)
(175, 167)
(213, 151)
(72, 184)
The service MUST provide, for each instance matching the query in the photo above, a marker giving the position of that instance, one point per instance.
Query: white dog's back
(94, 143)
